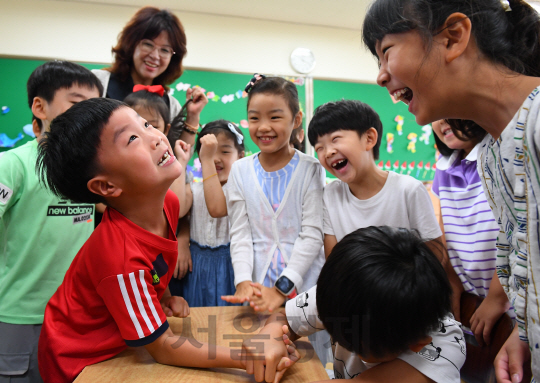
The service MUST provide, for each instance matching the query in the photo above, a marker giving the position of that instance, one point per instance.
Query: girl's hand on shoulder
(175, 306)
(209, 146)
(182, 152)
(265, 298)
(243, 293)
(485, 317)
(199, 101)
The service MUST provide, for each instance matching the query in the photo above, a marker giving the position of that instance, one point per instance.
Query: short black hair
(67, 156)
(381, 291)
(345, 115)
(151, 101)
(220, 127)
(47, 78)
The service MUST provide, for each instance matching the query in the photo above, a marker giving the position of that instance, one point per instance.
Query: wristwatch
(284, 285)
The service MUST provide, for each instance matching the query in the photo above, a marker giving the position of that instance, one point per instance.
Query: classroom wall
(85, 32)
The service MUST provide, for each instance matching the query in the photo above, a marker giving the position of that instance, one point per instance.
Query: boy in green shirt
(40, 233)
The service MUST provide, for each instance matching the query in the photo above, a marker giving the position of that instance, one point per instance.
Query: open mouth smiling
(405, 95)
(165, 158)
(340, 164)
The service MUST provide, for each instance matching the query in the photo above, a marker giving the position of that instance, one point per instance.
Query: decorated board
(224, 91)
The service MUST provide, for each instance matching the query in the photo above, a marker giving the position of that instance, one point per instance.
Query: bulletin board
(227, 101)
(224, 91)
(400, 157)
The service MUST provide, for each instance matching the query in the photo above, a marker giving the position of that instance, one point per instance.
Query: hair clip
(256, 78)
(506, 5)
(239, 137)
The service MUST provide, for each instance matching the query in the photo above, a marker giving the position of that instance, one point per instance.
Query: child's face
(64, 99)
(152, 116)
(446, 135)
(134, 156)
(225, 156)
(412, 75)
(147, 65)
(345, 154)
(271, 122)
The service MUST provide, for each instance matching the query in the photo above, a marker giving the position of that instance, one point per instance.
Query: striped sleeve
(133, 303)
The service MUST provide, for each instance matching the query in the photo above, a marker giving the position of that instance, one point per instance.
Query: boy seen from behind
(40, 233)
(385, 300)
(115, 292)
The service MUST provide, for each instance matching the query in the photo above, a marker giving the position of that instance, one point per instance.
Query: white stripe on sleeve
(149, 298)
(132, 315)
(142, 310)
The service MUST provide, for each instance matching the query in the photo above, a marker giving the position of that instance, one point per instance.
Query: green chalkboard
(379, 99)
(224, 91)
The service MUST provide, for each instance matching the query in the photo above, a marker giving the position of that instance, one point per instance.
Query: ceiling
(347, 14)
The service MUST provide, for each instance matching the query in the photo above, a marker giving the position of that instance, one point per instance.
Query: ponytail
(524, 37)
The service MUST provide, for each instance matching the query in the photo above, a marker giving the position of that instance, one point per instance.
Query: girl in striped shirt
(469, 228)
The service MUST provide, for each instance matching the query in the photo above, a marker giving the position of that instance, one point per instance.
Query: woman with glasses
(149, 52)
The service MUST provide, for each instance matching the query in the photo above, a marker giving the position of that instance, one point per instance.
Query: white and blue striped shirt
(274, 185)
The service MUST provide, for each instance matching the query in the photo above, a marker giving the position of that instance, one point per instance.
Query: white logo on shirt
(5, 193)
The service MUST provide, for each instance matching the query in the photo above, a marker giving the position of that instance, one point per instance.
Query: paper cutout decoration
(6, 142)
(411, 168)
(420, 167)
(427, 167)
(244, 124)
(380, 165)
(411, 147)
(28, 129)
(388, 165)
(239, 94)
(395, 167)
(399, 126)
(389, 142)
(5, 109)
(427, 133)
(210, 95)
(227, 98)
(181, 87)
(433, 168)
(403, 167)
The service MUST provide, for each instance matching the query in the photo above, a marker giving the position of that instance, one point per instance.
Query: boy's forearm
(180, 351)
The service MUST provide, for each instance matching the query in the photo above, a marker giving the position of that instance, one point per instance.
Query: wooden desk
(228, 327)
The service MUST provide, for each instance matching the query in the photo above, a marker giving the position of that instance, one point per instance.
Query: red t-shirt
(110, 296)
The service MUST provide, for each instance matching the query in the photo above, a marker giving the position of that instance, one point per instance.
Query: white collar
(446, 161)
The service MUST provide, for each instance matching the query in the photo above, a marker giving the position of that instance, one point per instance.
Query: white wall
(86, 32)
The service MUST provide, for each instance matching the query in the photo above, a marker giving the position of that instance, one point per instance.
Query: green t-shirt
(40, 234)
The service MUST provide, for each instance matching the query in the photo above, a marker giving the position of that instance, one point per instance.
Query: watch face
(285, 285)
(302, 60)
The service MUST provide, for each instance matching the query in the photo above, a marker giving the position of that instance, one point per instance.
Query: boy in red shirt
(115, 292)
